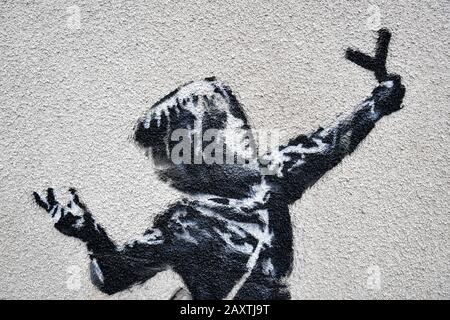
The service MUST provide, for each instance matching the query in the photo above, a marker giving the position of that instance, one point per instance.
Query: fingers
(75, 199)
(377, 64)
(361, 59)
(384, 37)
(56, 210)
(57, 213)
(40, 202)
(69, 220)
(49, 203)
(51, 197)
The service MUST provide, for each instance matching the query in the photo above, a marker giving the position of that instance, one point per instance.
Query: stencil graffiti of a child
(231, 237)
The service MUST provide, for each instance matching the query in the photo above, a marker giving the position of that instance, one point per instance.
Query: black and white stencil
(231, 236)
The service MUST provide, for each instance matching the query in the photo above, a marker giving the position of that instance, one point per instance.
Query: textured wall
(72, 90)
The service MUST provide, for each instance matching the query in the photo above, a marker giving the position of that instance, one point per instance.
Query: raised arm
(301, 162)
(113, 268)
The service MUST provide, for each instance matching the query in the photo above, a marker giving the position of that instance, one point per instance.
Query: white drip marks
(259, 195)
(184, 93)
(198, 98)
(264, 238)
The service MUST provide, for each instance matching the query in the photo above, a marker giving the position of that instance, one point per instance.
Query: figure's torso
(227, 242)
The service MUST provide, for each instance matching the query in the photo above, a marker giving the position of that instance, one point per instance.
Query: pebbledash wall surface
(76, 76)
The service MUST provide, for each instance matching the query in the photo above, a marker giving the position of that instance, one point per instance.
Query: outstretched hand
(388, 96)
(72, 219)
(377, 63)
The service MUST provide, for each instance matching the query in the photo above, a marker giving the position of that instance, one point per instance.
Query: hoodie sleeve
(305, 159)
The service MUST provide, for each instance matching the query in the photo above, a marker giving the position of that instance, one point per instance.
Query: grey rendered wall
(375, 227)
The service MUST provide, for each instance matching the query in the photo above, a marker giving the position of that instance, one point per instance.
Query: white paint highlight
(97, 271)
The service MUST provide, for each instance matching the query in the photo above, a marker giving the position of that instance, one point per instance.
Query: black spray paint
(231, 236)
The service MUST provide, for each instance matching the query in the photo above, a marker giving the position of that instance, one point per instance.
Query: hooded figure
(200, 140)
(230, 237)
